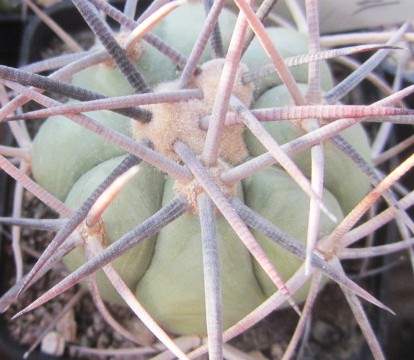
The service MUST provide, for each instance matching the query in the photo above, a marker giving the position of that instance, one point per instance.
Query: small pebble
(102, 341)
(90, 332)
(53, 344)
(257, 355)
(67, 326)
(277, 351)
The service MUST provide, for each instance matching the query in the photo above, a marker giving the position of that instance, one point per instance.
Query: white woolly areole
(180, 121)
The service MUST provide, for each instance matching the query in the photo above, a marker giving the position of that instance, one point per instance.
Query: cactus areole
(165, 271)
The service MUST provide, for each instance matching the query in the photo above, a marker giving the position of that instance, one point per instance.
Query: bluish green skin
(274, 195)
(78, 148)
(173, 286)
(342, 177)
(185, 23)
(166, 270)
(180, 29)
(288, 43)
(108, 79)
(138, 200)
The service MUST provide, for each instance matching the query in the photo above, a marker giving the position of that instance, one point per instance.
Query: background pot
(38, 38)
(11, 26)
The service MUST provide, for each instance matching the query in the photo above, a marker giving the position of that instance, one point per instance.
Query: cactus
(243, 182)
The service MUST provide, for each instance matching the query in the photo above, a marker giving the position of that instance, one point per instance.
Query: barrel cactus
(246, 189)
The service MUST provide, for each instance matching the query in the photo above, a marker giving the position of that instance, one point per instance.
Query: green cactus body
(140, 198)
(337, 166)
(182, 26)
(276, 197)
(179, 305)
(288, 43)
(166, 271)
(79, 149)
(109, 80)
